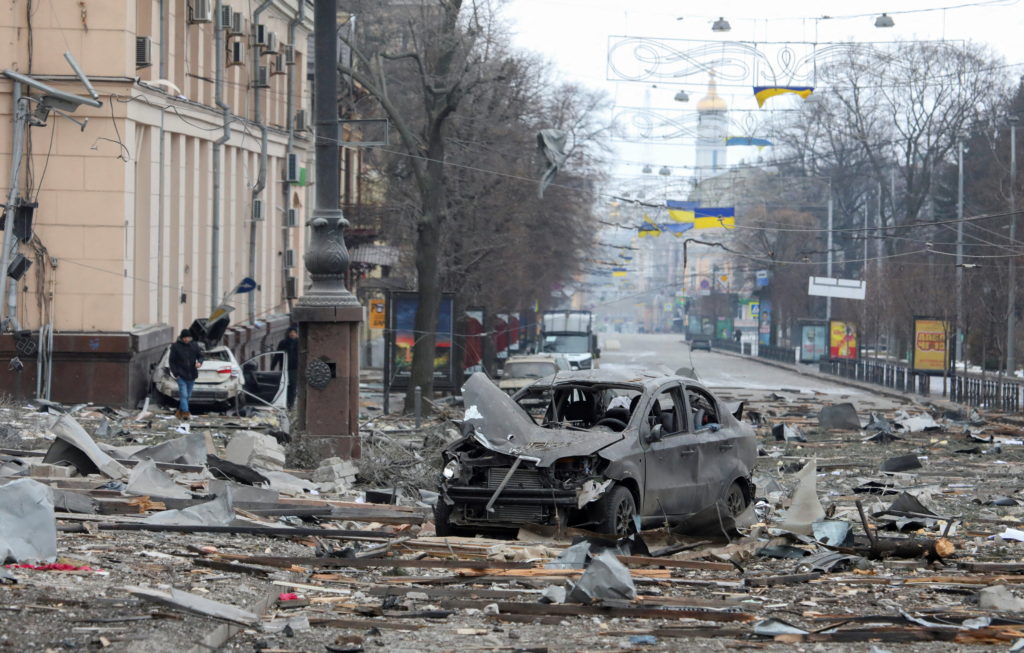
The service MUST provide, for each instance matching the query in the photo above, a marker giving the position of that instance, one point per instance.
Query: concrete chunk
(256, 450)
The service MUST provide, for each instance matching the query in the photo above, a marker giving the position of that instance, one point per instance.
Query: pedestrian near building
(290, 346)
(185, 360)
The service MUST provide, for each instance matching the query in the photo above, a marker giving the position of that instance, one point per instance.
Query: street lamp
(682, 96)
(885, 20)
(665, 171)
(1011, 308)
(721, 25)
(647, 169)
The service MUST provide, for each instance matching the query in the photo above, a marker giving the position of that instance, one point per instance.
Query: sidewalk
(940, 403)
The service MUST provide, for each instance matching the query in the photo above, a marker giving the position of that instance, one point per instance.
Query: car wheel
(735, 500)
(442, 524)
(615, 512)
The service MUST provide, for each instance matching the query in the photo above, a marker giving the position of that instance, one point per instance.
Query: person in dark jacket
(184, 361)
(290, 346)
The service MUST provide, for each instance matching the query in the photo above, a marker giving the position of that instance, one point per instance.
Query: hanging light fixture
(665, 171)
(721, 25)
(681, 96)
(885, 20)
(647, 170)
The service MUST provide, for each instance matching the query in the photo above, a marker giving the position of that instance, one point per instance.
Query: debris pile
(137, 535)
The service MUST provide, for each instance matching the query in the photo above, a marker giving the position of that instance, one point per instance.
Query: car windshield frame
(566, 343)
(540, 369)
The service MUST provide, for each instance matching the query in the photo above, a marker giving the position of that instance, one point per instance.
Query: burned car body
(593, 449)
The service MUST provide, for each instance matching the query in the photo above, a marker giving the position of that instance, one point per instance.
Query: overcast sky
(575, 35)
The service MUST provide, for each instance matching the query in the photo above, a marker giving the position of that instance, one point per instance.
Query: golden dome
(712, 101)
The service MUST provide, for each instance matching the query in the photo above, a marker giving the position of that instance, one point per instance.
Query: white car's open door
(266, 379)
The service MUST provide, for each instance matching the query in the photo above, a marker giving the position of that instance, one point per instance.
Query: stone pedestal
(328, 390)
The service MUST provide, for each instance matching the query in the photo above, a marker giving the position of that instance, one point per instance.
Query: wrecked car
(222, 382)
(594, 449)
(521, 371)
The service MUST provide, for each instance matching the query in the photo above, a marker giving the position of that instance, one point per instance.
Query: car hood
(502, 425)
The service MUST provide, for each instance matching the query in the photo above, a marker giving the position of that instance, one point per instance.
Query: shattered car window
(703, 410)
(218, 354)
(581, 406)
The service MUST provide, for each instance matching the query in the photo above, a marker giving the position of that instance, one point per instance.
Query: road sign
(842, 288)
(246, 285)
(378, 318)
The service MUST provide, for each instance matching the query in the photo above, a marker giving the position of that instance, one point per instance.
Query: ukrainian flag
(648, 228)
(677, 229)
(712, 217)
(747, 140)
(762, 93)
(618, 272)
(681, 211)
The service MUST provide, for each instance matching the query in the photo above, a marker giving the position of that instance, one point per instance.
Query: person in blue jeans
(185, 359)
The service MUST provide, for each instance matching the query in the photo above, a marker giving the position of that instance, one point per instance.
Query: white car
(521, 371)
(223, 383)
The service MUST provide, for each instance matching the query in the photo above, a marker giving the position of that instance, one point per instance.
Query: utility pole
(328, 315)
(958, 346)
(828, 265)
(1011, 286)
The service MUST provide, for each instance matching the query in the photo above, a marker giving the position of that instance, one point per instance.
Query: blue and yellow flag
(618, 272)
(747, 140)
(677, 229)
(711, 217)
(681, 211)
(648, 228)
(762, 93)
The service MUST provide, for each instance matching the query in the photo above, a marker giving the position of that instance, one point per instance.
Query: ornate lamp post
(328, 315)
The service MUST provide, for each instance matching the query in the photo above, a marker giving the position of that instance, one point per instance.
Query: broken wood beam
(601, 610)
(335, 533)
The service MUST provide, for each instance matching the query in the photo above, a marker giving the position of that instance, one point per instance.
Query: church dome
(712, 101)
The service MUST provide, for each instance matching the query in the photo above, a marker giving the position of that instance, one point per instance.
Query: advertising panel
(402, 336)
(813, 343)
(378, 316)
(764, 322)
(931, 350)
(842, 341)
(501, 336)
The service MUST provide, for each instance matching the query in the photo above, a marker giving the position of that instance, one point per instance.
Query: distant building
(123, 248)
(712, 130)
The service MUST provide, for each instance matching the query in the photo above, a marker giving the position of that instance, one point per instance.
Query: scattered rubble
(138, 535)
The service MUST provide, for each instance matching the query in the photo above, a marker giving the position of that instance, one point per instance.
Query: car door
(714, 446)
(262, 383)
(671, 463)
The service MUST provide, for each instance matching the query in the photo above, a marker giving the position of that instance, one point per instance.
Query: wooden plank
(642, 561)
(600, 610)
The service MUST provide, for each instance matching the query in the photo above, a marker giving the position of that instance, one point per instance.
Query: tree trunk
(428, 285)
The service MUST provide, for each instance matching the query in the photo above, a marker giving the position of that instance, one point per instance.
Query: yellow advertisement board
(931, 340)
(842, 340)
(378, 318)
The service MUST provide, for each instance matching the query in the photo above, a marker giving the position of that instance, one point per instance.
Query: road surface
(721, 371)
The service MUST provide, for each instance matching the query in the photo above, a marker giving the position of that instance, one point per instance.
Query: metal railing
(889, 375)
(726, 344)
(777, 353)
(999, 393)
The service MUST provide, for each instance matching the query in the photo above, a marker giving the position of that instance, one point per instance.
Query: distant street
(717, 370)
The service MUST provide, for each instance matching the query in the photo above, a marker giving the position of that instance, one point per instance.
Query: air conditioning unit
(279, 67)
(259, 35)
(237, 25)
(262, 78)
(224, 19)
(291, 218)
(257, 210)
(289, 258)
(291, 288)
(299, 122)
(199, 11)
(143, 52)
(289, 55)
(291, 169)
(270, 47)
(236, 53)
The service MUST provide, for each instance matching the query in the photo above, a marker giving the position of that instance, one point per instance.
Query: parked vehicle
(700, 342)
(570, 334)
(223, 383)
(521, 371)
(593, 449)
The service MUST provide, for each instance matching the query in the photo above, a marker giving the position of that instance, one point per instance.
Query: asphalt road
(718, 370)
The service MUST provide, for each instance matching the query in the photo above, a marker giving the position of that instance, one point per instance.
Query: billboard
(813, 342)
(402, 336)
(378, 316)
(764, 322)
(842, 340)
(931, 345)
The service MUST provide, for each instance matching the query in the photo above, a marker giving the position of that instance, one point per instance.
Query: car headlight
(451, 470)
(585, 364)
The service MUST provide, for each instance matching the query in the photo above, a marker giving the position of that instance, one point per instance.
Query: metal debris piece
(773, 627)
(605, 579)
(805, 508)
(199, 605)
(787, 433)
(841, 417)
(828, 562)
(901, 463)
(28, 530)
(73, 445)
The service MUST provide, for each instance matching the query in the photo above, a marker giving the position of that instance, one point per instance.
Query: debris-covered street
(134, 531)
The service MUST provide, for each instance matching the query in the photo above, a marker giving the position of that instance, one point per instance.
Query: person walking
(290, 346)
(185, 360)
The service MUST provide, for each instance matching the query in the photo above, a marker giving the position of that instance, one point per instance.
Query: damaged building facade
(193, 174)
